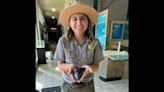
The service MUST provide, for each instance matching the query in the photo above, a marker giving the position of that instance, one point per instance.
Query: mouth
(79, 28)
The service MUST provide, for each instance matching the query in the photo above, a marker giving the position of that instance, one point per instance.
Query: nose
(79, 22)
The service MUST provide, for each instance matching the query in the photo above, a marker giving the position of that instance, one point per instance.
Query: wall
(87, 2)
(39, 13)
(39, 19)
(119, 8)
(68, 3)
(40, 44)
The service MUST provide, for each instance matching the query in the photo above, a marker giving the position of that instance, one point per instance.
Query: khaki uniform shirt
(86, 53)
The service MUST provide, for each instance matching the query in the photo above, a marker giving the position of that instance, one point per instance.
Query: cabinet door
(115, 68)
(103, 69)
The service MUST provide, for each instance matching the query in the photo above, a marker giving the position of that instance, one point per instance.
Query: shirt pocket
(89, 56)
(70, 55)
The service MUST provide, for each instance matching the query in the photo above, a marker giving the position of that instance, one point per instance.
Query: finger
(72, 77)
(85, 74)
(78, 81)
(70, 71)
(82, 77)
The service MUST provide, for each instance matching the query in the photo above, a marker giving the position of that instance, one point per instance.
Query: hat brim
(78, 8)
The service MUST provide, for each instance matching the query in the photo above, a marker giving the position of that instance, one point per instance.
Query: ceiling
(48, 5)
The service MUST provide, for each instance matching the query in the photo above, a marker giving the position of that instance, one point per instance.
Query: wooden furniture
(102, 28)
(113, 66)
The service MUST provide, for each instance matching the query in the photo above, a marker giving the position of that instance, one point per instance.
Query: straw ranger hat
(77, 8)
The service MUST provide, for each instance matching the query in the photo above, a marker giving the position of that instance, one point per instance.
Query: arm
(92, 68)
(98, 56)
(88, 70)
(68, 68)
(65, 67)
(59, 56)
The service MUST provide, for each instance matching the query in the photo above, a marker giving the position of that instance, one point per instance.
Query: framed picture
(126, 31)
(102, 28)
(119, 30)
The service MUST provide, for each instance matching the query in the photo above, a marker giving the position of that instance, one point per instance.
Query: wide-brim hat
(77, 8)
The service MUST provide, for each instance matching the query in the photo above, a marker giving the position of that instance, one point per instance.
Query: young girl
(78, 48)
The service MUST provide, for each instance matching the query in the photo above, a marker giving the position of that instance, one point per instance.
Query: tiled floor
(47, 76)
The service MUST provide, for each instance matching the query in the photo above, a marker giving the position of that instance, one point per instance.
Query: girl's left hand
(86, 73)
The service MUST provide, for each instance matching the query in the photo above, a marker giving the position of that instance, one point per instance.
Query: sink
(119, 56)
(114, 54)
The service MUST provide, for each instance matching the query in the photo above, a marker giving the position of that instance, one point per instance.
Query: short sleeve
(98, 54)
(59, 52)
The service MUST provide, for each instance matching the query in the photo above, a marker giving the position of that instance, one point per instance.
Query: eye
(83, 18)
(74, 19)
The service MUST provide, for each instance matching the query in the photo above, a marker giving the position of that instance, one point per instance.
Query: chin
(80, 31)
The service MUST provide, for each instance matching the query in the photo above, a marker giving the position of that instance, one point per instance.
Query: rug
(52, 89)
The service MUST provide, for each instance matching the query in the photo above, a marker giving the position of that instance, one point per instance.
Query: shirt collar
(82, 42)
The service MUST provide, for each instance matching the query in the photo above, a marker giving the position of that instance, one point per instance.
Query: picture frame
(102, 28)
(119, 30)
(126, 31)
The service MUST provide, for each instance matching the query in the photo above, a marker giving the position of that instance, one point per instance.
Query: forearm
(89, 70)
(64, 67)
(92, 68)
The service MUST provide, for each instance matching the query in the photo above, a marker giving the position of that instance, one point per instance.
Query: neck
(79, 38)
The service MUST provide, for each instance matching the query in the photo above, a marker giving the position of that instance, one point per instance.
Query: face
(79, 23)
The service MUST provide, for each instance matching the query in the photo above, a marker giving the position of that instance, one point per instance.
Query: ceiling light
(53, 17)
(53, 9)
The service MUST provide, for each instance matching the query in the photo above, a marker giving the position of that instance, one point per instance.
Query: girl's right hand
(70, 68)
(70, 71)
(72, 78)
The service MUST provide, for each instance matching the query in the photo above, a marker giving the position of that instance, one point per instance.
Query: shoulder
(96, 41)
(62, 39)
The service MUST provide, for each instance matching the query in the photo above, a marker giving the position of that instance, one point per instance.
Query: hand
(70, 68)
(72, 78)
(86, 73)
(70, 71)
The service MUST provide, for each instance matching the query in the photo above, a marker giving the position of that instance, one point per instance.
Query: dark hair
(70, 34)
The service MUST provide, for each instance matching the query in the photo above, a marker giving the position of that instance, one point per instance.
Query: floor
(47, 75)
